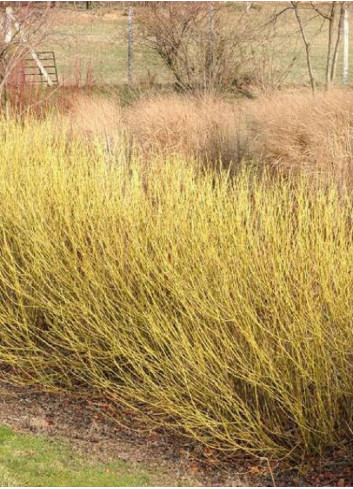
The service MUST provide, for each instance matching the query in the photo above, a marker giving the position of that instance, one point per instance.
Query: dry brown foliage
(301, 132)
(93, 116)
(204, 127)
(292, 131)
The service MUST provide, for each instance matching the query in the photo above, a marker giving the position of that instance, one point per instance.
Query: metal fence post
(130, 52)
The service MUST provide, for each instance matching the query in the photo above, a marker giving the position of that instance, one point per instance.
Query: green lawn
(29, 460)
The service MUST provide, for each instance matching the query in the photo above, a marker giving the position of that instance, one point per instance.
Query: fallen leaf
(255, 470)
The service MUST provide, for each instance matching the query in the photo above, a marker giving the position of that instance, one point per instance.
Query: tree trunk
(307, 47)
(338, 42)
(331, 20)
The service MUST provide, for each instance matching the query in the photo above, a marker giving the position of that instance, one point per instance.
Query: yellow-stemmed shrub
(220, 307)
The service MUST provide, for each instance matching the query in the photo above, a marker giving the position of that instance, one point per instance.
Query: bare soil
(84, 424)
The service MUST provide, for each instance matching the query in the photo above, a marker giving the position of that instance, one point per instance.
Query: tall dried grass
(93, 116)
(291, 132)
(201, 126)
(219, 307)
(298, 132)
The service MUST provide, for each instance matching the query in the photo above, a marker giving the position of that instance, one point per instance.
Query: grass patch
(27, 460)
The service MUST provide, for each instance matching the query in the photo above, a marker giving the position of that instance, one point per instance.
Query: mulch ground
(85, 426)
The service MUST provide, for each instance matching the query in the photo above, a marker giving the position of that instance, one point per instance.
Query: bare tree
(307, 46)
(205, 47)
(334, 15)
(20, 31)
(331, 13)
(198, 44)
(168, 30)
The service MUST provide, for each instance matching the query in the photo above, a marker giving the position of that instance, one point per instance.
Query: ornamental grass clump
(219, 307)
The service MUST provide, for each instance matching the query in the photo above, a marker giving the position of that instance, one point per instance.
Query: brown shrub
(292, 131)
(300, 132)
(205, 127)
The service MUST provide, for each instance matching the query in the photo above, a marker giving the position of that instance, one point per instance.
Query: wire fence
(101, 43)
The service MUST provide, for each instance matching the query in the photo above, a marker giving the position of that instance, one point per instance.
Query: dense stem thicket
(222, 306)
